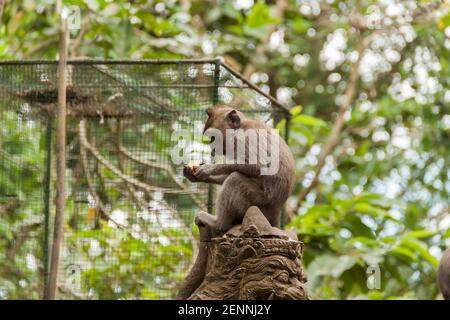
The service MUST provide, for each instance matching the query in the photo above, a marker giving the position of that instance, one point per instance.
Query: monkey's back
(277, 186)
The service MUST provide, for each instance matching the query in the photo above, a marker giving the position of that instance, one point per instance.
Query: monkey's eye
(283, 277)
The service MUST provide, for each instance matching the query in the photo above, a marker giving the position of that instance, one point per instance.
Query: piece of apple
(193, 165)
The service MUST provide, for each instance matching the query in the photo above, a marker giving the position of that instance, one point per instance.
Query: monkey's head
(221, 118)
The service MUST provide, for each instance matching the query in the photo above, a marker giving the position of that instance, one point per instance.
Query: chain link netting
(129, 217)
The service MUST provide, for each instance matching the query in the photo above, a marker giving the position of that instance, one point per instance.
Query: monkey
(243, 184)
(444, 274)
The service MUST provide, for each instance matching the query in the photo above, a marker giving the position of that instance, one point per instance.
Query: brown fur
(444, 274)
(243, 185)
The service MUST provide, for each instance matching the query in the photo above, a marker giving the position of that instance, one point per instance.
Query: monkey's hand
(204, 172)
(188, 172)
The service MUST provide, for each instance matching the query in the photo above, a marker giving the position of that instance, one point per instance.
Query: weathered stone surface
(251, 261)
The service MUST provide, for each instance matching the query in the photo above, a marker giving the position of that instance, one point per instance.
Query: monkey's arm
(214, 179)
(208, 170)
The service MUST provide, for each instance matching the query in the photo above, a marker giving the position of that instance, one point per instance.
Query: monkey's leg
(272, 214)
(238, 193)
(207, 170)
(204, 219)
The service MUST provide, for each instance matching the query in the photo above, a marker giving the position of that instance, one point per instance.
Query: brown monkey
(244, 183)
(444, 274)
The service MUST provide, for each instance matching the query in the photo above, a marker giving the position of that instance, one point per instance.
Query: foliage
(345, 237)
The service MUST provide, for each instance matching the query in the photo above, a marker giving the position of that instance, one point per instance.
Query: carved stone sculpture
(250, 261)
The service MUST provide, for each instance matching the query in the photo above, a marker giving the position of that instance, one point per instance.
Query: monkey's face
(221, 118)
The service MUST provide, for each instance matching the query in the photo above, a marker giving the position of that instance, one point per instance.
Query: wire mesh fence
(128, 222)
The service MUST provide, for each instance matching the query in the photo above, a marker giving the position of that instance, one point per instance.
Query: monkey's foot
(209, 222)
(204, 219)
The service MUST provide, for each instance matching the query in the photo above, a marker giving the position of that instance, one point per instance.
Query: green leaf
(403, 253)
(447, 234)
(418, 234)
(445, 21)
(308, 120)
(260, 16)
(354, 223)
(295, 111)
(420, 248)
(367, 208)
(301, 25)
(305, 132)
(231, 12)
(331, 265)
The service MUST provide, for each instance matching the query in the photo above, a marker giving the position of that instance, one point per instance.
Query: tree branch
(20, 237)
(131, 190)
(338, 124)
(164, 107)
(42, 46)
(154, 165)
(8, 207)
(84, 142)
(81, 33)
(98, 202)
(363, 43)
(2, 5)
(250, 68)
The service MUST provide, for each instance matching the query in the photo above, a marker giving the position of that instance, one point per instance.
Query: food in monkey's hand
(190, 169)
(193, 166)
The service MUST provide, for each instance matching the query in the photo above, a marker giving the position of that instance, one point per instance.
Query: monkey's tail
(198, 270)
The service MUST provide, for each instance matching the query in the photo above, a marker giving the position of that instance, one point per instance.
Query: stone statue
(250, 261)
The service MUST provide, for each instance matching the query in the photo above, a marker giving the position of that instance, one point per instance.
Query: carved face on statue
(253, 261)
(278, 278)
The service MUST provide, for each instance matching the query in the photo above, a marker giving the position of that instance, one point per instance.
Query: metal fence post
(47, 195)
(215, 100)
(286, 137)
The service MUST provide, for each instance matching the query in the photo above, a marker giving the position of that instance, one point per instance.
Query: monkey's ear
(234, 119)
(209, 111)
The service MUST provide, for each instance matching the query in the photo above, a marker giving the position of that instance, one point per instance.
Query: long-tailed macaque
(263, 177)
(444, 274)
